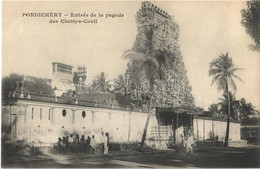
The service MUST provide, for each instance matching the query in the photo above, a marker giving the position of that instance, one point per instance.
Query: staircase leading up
(161, 136)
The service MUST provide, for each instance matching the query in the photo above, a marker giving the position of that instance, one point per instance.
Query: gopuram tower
(158, 35)
(156, 58)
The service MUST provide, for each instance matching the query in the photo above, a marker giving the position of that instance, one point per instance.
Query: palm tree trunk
(197, 127)
(228, 119)
(146, 124)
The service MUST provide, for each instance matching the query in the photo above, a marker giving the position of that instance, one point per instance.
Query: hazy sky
(207, 29)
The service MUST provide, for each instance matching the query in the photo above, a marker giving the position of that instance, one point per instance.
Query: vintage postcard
(130, 84)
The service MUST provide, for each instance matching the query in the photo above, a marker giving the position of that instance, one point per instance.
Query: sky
(207, 29)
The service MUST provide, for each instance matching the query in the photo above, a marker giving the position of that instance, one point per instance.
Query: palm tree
(234, 104)
(146, 66)
(101, 83)
(119, 85)
(222, 70)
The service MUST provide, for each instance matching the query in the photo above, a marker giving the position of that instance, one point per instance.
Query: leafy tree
(9, 83)
(213, 108)
(245, 109)
(222, 70)
(239, 109)
(251, 21)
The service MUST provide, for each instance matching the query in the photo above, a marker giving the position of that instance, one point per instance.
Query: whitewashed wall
(44, 122)
(204, 129)
(123, 126)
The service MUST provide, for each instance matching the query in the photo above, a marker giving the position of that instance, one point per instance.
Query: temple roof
(40, 89)
(27, 84)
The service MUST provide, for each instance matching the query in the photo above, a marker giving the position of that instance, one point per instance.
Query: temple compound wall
(206, 128)
(41, 122)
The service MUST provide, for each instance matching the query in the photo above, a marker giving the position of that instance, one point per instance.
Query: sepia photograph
(130, 84)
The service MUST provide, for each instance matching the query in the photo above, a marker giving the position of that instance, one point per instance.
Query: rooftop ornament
(28, 96)
(22, 95)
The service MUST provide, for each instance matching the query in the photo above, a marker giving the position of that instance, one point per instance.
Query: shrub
(12, 147)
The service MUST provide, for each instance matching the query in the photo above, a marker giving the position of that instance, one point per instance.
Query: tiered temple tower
(159, 34)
